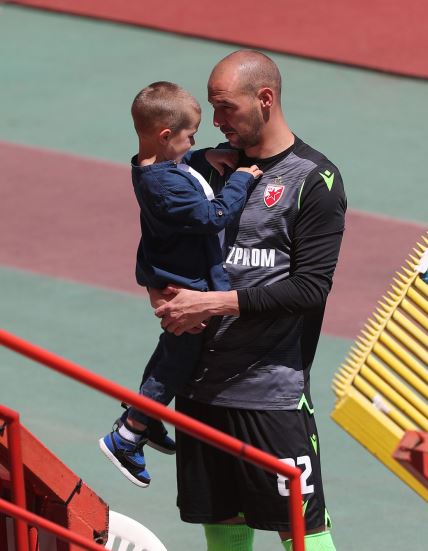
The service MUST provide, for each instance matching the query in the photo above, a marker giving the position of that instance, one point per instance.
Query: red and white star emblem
(273, 193)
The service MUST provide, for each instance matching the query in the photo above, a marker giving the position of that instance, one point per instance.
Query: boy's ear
(164, 135)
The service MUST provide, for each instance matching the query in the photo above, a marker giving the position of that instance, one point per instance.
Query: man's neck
(271, 144)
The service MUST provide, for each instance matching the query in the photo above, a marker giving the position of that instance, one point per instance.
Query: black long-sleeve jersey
(281, 258)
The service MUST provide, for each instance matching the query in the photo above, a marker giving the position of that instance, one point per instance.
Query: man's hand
(220, 158)
(159, 297)
(182, 313)
(190, 309)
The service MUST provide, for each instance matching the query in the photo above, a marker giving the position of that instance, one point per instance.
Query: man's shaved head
(252, 70)
(244, 89)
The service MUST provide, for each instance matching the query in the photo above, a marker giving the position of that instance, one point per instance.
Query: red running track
(384, 35)
(75, 218)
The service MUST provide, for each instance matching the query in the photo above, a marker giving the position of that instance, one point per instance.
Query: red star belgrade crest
(273, 192)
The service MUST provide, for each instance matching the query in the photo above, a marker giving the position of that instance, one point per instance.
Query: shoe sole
(119, 465)
(160, 448)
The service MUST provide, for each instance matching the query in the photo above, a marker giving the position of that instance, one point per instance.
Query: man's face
(237, 113)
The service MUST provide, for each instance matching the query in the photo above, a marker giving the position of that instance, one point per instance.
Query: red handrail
(17, 471)
(35, 520)
(183, 422)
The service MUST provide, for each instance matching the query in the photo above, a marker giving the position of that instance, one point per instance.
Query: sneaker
(158, 438)
(127, 456)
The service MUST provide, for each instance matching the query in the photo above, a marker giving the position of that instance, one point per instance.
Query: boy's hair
(163, 105)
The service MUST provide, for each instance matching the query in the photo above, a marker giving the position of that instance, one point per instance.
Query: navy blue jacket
(179, 225)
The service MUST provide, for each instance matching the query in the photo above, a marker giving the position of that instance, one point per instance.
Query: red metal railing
(183, 422)
(16, 472)
(26, 517)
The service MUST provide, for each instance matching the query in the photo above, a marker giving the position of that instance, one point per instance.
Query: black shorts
(214, 486)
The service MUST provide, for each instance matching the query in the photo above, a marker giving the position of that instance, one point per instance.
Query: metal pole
(63, 533)
(16, 472)
(296, 516)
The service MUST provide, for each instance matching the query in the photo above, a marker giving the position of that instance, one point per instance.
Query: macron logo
(251, 257)
(328, 178)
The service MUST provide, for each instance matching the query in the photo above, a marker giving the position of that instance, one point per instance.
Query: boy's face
(180, 142)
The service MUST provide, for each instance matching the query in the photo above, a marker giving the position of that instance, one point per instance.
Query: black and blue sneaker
(127, 456)
(157, 438)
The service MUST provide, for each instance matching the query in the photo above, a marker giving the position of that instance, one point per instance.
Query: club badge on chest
(273, 192)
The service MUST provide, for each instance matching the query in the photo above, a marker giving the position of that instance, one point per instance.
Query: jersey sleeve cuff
(243, 302)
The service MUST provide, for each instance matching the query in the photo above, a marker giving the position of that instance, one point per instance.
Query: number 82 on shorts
(304, 462)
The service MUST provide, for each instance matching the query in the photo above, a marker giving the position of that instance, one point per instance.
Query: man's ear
(265, 96)
(165, 135)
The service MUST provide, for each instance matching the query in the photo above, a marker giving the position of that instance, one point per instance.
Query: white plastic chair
(124, 532)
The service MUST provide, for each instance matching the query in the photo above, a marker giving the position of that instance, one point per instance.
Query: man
(253, 378)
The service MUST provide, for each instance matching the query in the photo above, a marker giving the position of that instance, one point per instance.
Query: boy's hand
(254, 170)
(220, 158)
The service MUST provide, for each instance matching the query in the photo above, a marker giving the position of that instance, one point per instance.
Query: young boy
(180, 222)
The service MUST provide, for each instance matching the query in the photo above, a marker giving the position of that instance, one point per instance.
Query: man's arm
(189, 309)
(314, 253)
